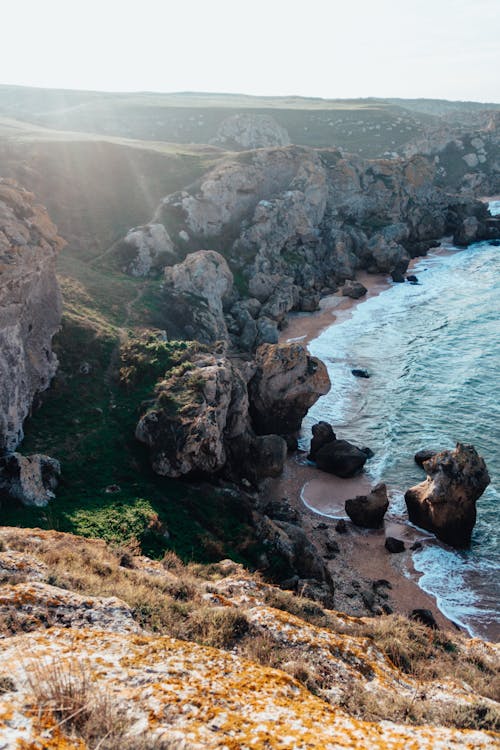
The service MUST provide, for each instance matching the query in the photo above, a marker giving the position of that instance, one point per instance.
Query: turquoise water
(433, 351)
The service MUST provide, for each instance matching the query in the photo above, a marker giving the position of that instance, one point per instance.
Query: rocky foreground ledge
(105, 649)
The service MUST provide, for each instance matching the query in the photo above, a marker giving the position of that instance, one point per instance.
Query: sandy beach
(319, 498)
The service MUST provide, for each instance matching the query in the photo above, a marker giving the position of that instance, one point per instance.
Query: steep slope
(30, 307)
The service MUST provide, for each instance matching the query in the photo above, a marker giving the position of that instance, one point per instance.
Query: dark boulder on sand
(368, 511)
(341, 458)
(353, 289)
(322, 434)
(445, 503)
(394, 545)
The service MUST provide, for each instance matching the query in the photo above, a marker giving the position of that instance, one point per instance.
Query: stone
(147, 248)
(30, 480)
(368, 511)
(183, 441)
(341, 526)
(287, 382)
(341, 458)
(281, 510)
(445, 503)
(358, 373)
(322, 433)
(195, 292)
(30, 307)
(424, 455)
(353, 289)
(394, 545)
(412, 278)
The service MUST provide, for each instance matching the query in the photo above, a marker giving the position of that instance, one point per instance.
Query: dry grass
(66, 699)
(171, 600)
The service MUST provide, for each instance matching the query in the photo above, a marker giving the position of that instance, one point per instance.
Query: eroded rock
(368, 511)
(287, 382)
(195, 291)
(30, 480)
(445, 503)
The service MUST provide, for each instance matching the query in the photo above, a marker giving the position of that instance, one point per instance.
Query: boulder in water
(445, 503)
(358, 373)
(424, 455)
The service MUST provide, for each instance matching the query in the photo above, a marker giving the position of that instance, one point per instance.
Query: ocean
(433, 354)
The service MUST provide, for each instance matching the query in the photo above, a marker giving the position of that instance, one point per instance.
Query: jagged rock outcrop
(287, 382)
(200, 424)
(445, 503)
(30, 307)
(145, 249)
(248, 131)
(195, 291)
(30, 480)
(368, 511)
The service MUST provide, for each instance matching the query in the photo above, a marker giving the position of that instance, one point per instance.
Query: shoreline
(362, 559)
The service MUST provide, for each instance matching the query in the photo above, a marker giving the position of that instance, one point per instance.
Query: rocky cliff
(122, 651)
(294, 222)
(30, 307)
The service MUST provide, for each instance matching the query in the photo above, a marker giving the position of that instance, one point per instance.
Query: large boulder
(368, 511)
(341, 458)
(287, 382)
(30, 480)
(195, 292)
(322, 434)
(30, 307)
(353, 289)
(445, 503)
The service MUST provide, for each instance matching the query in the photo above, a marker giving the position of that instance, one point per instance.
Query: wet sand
(319, 498)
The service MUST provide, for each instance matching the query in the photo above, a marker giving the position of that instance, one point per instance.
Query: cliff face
(30, 307)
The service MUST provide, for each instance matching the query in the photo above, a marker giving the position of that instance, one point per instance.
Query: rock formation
(287, 382)
(322, 434)
(30, 480)
(206, 417)
(341, 458)
(248, 131)
(195, 291)
(147, 248)
(30, 307)
(445, 503)
(368, 511)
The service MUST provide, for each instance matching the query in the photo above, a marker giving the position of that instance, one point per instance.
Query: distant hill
(369, 127)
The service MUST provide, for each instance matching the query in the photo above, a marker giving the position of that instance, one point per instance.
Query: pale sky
(329, 48)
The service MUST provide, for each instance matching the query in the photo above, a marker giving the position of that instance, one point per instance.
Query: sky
(446, 49)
